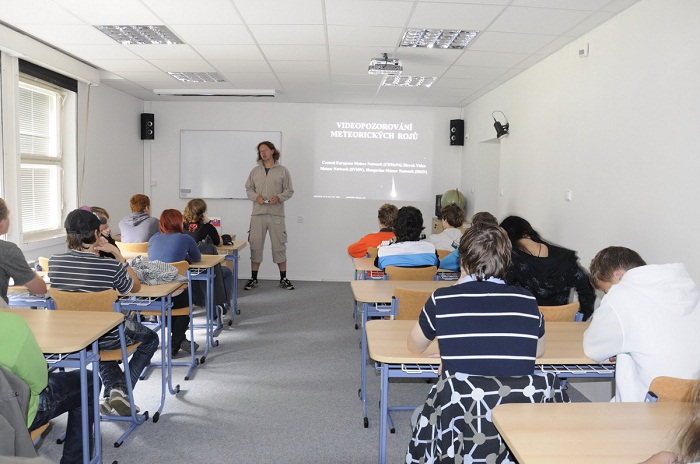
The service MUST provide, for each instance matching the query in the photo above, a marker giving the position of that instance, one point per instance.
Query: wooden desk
(365, 269)
(203, 270)
(231, 254)
(64, 337)
(159, 298)
(386, 341)
(19, 296)
(578, 433)
(375, 299)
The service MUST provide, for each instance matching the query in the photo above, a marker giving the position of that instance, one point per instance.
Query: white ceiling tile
(150, 79)
(554, 45)
(294, 52)
(474, 72)
(538, 20)
(206, 12)
(213, 34)
(448, 83)
(109, 12)
(363, 79)
(229, 52)
(511, 42)
(486, 59)
(281, 11)
(88, 52)
(316, 67)
(126, 65)
(302, 79)
(68, 34)
(22, 12)
(590, 23)
(454, 16)
(365, 36)
(183, 65)
(368, 13)
(590, 5)
(253, 80)
(163, 52)
(355, 53)
(619, 5)
(241, 66)
(284, 34)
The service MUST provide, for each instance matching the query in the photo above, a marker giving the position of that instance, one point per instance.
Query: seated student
(139, 226)
(50, 394)
(81, 269)
(649, 320)
(407, 250)
(452, 220)
(386, 217)
(451, 261)
(171, 245)
(548, 271)
(687, 444)
(199, 227)
(12, 263)
(484, 327)
(105, 231)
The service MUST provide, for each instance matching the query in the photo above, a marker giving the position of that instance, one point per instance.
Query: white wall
(317, 247)
(618, 128)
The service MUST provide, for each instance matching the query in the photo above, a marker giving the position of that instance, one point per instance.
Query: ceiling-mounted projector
(385, 65)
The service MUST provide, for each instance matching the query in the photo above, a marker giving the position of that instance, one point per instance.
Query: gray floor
(281, 387)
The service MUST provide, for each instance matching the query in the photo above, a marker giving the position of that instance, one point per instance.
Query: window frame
(51, 160)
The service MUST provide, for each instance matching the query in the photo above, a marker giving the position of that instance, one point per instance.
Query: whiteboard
(216, 163)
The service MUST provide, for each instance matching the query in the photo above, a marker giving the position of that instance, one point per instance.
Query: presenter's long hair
(271, 146)
(170, 222)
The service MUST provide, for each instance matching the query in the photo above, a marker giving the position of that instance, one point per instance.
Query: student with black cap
(81, 269)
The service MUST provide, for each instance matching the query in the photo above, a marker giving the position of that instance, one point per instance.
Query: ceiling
(312, 51)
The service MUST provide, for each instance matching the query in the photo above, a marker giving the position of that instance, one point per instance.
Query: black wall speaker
(147, 126)
(438, 206)
(457, 132)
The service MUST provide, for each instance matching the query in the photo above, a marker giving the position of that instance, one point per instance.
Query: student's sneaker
(105, 408)
(186, 347)
(120, 402)
(251, 284)
(286, 284)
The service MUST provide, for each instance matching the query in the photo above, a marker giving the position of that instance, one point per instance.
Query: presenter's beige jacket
(277, 181)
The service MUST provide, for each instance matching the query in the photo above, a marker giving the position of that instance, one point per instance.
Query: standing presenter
(268, 186)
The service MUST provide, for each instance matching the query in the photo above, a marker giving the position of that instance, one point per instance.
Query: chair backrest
(84, 301)
(140, 247)
(44, 263)
(670, 389)
(372, 252)
(410, 273)
(443, 253)
(182, 267)
(409, 303)
(565, 312)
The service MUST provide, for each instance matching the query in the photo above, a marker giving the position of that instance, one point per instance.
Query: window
(41, 191)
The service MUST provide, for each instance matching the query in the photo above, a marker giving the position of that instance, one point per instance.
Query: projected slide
(373, 155)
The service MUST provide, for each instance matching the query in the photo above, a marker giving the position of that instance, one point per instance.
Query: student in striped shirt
(483, 326)
(81, 269)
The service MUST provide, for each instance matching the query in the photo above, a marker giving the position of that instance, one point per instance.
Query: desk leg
(383, 406)
(363, 367)
(234, 303)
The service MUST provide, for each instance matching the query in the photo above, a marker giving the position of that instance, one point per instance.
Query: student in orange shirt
(386, 216)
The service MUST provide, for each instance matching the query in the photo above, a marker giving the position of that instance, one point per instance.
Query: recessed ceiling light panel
(408, 81)
(141, 35)
(437, 38)
(197, 76)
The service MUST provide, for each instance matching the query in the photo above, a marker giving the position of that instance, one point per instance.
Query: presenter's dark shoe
(251, 284)
(286, 284)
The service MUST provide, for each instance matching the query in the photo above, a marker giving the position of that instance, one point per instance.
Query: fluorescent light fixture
(197, 76)
(141, 35)
(437, 38)
(408, 81)
(384, 65)
(216, 92)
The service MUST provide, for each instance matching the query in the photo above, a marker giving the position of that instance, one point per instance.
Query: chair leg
(134, 418)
